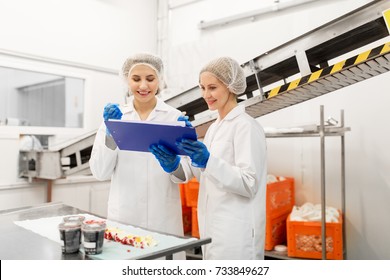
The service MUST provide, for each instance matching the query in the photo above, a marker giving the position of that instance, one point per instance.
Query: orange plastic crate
(187, 219)
(195, 227)
(275, 231)
(182, 194)
(280, 198)
(191, 190)
(279, 203)
(304, 240)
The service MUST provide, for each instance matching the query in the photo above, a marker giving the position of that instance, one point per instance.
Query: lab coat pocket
(231, 239)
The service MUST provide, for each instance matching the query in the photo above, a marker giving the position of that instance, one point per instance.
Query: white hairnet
(229, 72)
(150, 60)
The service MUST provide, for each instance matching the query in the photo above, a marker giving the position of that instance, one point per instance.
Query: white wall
(87, 39)
(95, 32)
(365, 105)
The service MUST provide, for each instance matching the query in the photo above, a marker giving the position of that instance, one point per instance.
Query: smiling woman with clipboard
(141, 193)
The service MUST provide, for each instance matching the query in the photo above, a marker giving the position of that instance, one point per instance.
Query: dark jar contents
(93, 233)
(70, 234)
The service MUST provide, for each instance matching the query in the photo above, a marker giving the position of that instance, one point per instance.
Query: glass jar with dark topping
(93, 233)
(70, 235)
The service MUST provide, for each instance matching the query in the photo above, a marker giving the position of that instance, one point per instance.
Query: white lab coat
(141, 192)
(231, 201)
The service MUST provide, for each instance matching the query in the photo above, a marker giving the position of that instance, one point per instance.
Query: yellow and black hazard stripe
(386, 16)
(333, 69)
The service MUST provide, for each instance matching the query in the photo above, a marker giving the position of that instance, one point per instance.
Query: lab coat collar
(129, 106)
(161, 105)
(238, 110)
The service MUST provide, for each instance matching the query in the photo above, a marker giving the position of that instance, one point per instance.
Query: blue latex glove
(168, 160)
(186, 120)
(111, 111)
(196, 150)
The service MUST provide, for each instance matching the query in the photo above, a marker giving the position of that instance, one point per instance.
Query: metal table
(17, 243)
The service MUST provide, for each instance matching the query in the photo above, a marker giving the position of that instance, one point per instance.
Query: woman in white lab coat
(231, 166)
(141, 193)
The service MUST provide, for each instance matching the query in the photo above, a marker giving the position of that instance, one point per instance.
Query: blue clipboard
(139, 135)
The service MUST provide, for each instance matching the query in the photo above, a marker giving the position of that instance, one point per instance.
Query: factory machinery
(65, 159)
(300, 69)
